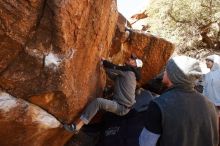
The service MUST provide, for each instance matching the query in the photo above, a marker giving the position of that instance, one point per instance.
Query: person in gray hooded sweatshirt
(125, 78)
(211, 88)
(180, 116)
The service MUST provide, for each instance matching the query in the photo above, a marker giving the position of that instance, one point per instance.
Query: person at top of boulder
(125, 78)
(181, 116)
(211, 87)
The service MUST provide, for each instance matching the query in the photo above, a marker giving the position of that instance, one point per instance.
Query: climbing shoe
(70, 128)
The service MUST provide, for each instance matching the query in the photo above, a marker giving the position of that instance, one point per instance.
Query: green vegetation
(192, 25)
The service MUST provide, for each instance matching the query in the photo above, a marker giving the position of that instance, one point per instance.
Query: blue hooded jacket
(212, 81)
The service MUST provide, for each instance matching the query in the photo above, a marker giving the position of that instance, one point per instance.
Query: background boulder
(153, 51)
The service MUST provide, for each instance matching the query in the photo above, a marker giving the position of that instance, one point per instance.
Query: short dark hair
(133, 56)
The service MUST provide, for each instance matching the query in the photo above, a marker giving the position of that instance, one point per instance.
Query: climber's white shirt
(148, 138)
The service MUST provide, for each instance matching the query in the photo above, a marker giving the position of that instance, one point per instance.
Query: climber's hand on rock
(101, 60)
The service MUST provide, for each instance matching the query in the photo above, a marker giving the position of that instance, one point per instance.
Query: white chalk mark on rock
(52, 59)
(6, 102)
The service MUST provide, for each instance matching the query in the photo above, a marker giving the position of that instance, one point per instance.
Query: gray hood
(183, 70)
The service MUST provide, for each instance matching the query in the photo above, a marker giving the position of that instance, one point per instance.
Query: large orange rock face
(50, 54)
(54, 47)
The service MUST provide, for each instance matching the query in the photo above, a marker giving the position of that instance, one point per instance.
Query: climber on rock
(125, 79)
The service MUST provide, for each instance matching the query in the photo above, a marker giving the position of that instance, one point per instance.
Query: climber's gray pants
(104, 104)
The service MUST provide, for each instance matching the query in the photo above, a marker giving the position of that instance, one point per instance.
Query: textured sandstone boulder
(120, 35)
(50, 54)
(51, 51)
(153, 51)
(35, 126)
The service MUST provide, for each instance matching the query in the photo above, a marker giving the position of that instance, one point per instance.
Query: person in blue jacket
(211, 88)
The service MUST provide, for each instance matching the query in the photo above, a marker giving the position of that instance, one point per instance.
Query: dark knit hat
(183, 70)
